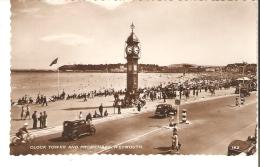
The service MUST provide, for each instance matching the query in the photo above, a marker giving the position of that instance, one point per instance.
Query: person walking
(89, 117)
(45, 119)
(80, 116)
(139, 107)
(119, 109)
(101, 110)
(105, 113)
(41, 120)
(197, 92)
(171, 120)
(175, 143)
(164, 97)
(22, 113)
(27, 112)
(34, 117)
(95, 114)
(44, 101)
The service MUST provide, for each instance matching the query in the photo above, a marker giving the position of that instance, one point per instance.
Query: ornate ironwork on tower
(132, 51)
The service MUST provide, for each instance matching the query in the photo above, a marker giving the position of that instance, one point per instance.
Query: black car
(247, 147)
(74, 129)
(165, 110)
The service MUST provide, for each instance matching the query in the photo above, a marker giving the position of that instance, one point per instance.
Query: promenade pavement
(69, 110)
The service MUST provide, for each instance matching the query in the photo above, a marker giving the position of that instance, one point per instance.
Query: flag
(54, 61)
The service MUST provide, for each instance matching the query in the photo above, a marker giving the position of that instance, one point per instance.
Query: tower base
(131, 99)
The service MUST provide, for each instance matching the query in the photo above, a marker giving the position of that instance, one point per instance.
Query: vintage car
(165, 110)
(74, 129)
(247, 147)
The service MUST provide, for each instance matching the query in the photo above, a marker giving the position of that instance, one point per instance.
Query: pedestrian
(105, 113)
(139, 107)
(34, 117)
(37, 99)
(119, 109)
(22, 113)
(27, 112)
(41, 99)
(95, 114)
(89, 117)
(175, 143)
(101, 110)
(44, 101)
(80, 116)
(171, 120)
(45, 119)
(174, 129)
(164, 97)
(41, 120)
(237, 100)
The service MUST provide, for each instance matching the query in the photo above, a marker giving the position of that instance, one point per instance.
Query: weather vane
(132, 26)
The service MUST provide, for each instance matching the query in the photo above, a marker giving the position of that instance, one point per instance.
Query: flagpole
(58, 82)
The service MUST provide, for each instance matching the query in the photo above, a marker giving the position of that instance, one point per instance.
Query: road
(214, 124)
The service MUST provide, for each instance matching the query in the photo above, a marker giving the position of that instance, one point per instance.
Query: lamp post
(245, 64)
(243, 74)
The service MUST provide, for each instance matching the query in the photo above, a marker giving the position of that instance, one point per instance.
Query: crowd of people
(186, 89)
(25, 113)
(42, 119)
(89, 116)
(24, 100)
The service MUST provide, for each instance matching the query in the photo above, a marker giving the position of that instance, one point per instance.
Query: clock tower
(132, 51)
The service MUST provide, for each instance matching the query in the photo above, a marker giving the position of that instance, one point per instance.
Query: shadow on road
(59, 139)
(19, 119)
(231, 105)
(154, 117)
(86, 108)
(156, 126)
(165, 150)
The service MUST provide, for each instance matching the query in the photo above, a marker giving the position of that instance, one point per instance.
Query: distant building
(240, 68)
(210, 69)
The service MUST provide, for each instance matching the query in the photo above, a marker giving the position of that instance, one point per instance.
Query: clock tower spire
(132, 51)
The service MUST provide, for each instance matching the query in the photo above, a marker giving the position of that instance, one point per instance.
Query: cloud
(59, 2)
(29, 10)
(109, 4)
(68, 39)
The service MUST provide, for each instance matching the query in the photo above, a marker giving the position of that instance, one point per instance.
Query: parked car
(165, 110)
(247, 147)
(74, 129)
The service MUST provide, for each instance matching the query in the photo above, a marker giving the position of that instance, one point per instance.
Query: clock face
(136, 49)
(135, 67)
(129, 49)
(129, 67)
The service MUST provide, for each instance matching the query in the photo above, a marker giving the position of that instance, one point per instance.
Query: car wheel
(74, 136)
(15, 141)
(92, 131)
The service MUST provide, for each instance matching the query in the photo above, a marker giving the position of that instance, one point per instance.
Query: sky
(94, 32)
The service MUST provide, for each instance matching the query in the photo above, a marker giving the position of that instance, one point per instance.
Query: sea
(51, 83)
